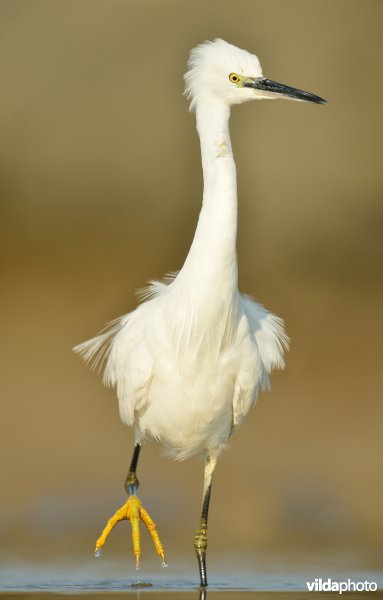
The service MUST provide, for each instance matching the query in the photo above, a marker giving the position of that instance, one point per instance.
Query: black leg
(131, 482)
(200, 538)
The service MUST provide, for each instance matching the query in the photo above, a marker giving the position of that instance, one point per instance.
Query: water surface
(102, 580)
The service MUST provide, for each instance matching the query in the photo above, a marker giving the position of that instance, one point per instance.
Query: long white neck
(212, 256)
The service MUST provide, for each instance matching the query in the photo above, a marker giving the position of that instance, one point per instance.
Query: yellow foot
(135, 512)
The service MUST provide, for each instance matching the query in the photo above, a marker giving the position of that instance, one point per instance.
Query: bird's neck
(212, 255)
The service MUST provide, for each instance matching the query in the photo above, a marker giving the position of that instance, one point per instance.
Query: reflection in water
(202, 592)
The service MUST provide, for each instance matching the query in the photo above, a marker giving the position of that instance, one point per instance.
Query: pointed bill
(272, 89)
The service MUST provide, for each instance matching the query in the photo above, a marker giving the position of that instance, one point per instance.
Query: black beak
(278, 90)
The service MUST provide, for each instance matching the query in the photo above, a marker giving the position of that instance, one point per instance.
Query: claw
(134, 512)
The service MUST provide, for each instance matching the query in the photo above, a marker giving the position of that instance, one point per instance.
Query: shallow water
(175, 594)
(102, 581)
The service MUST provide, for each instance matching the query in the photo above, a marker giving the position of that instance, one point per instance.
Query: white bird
(188, 363)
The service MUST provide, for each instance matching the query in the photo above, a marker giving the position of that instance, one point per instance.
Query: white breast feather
(246, 344)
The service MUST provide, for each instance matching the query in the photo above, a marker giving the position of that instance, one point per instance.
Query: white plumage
(187, 364)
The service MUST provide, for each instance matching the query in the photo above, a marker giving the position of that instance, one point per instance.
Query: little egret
(187, 364)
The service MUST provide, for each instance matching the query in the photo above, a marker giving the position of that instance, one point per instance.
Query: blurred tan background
(100, 191)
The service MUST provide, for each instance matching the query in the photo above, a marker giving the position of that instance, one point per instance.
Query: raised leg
(200, 538)
(131, 482)
(135, 512)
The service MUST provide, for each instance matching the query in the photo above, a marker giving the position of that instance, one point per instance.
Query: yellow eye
(234, 78)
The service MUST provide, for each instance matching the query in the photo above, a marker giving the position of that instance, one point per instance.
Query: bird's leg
(131, 481)
(200, 538)
(135, 512)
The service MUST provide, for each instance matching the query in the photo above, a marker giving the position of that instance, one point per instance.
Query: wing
(128, 365)
(124, 347)
(264, 342)
(268, 334)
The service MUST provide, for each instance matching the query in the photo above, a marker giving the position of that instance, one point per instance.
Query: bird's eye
(234, 78)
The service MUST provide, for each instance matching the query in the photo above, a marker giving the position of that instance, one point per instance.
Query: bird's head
(221, 71)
